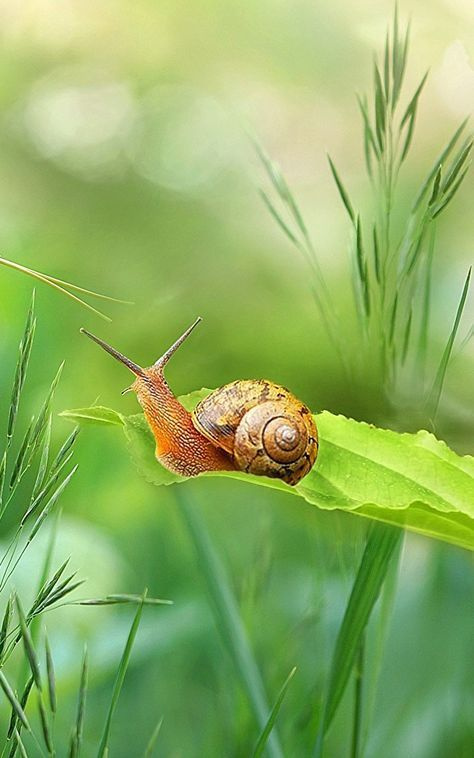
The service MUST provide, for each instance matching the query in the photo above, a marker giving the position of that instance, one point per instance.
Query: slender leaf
(24, 699)
(13, 701)
(7, 615)
(44, 724)
(63, 287)
(438, 162)
(342, 191)
(412, 105)
(51, 677)
(152, 741)
(28, 645)
(380, 105)
(26, 345)
(124, 661)
(43, 464)
(76, 739)
(381, 544)
(265, 734)
(19, 744)
(227, 615)
(437, 388)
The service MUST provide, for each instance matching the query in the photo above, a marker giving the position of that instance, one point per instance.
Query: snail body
(250, 425)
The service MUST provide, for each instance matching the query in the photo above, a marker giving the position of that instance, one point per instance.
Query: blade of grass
(44, 458)
(124, 661)
(437, 388)
(3, 475)
(380, 109)
(227, 616)
(14, 722)
(76, 738)
(265, 734)
(19, 744)
(152, 741)
(24, 353)
(7, 616)
(122, 599)
(28, 645)
(63, 287)
(358, 699)
(387, 602)
(426, 306)
(35, 622)
(51, 676)
(342, 191)
(45, 724)
(380, 546)
(438, 162)
(10, 695)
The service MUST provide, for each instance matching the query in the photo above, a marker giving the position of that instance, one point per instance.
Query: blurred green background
(125, 167)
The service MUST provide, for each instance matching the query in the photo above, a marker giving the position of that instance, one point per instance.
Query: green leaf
(152, 741)
(262, 740)
(342, 192)
(227, 615)
(20, 714)
(381, 544)
(436, 390)
(61, 286)
(411, 480)
(21, 368)
(121, 671)
(95, 415)
(76, 737)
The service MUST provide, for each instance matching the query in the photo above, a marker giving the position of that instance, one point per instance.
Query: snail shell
(263, 426)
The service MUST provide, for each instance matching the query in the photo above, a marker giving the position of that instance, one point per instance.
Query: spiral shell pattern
(266, 429)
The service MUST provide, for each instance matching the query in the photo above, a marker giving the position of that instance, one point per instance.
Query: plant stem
(358, 692)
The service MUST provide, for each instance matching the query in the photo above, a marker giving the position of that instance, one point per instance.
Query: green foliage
(410, 480)
(264, 736)
(64, 287)
(121, 671)
(47, 487)
(229, 622)
(381, 544)
(386, 271)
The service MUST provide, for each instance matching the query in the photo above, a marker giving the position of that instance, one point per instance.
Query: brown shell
(266, 429)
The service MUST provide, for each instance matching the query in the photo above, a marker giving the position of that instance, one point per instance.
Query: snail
(254, 426)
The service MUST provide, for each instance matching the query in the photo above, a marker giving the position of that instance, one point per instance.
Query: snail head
(143, 375)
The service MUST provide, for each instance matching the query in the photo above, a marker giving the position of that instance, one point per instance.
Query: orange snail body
(249, 425)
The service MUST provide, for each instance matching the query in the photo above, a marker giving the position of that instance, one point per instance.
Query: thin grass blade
(19, 744)
(437, 388)
(152, 742)
(62, 287)
(227, 616)
(263, 739)
(28, 645)
(51, 503)
(342, 191)
(44, 458)
(26, 345)
(51, 676)
(124, 661)
(47, 737)
(10, 695)
(7, 616)
(380, 109)
(438, 162)
(14, 722)
(76, 738)
(381, 544)
(123, 599)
